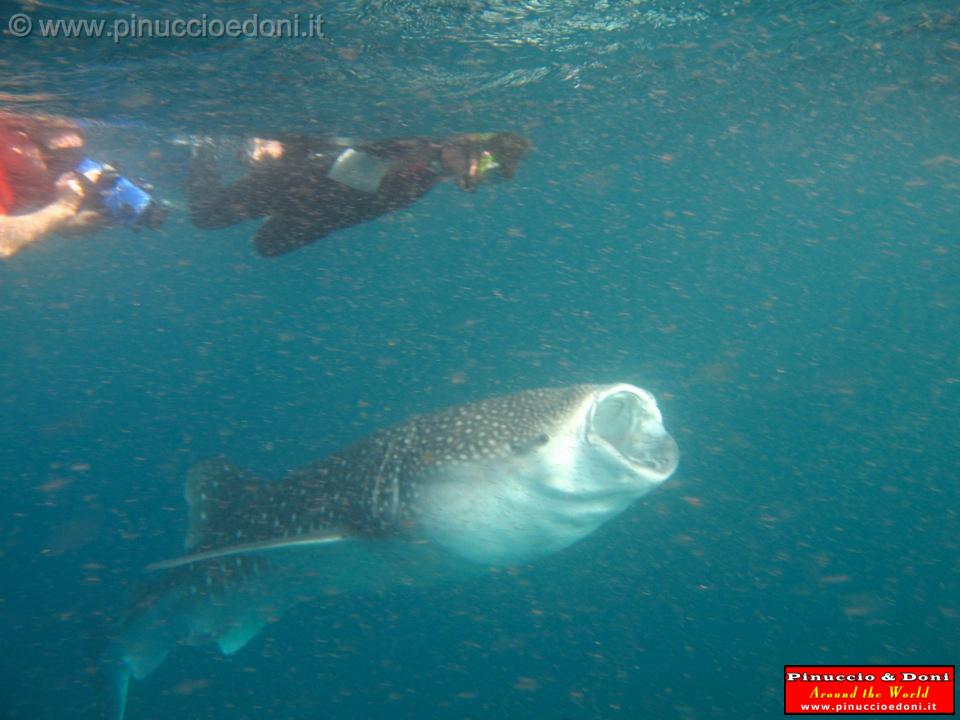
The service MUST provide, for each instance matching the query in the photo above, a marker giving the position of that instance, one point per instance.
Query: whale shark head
(540, 470)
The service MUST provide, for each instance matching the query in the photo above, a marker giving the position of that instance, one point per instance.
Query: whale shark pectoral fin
(239, 635)
(296, 542)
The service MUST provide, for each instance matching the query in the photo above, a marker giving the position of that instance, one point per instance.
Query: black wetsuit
(300, 202)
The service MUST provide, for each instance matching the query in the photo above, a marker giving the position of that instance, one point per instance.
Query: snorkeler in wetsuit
(309, 187)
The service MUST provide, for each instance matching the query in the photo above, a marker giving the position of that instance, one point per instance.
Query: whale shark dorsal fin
(293, 542)
(216, 491)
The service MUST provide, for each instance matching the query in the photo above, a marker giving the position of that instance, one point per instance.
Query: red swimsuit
(6, 193)
(25, 181)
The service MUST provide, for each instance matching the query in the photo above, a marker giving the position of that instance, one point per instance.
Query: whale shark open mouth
(628, 423)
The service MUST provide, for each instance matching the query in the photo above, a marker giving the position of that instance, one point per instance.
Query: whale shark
(441, 496)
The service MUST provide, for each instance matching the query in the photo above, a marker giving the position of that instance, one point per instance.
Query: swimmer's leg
(281, 234)
(214, 206)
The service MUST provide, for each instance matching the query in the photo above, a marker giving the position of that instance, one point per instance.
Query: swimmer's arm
(18, 231)
(62, 215)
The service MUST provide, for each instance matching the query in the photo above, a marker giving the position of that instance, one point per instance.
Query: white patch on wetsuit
(359, 170)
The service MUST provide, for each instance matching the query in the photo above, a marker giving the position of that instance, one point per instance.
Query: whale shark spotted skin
(499, 482)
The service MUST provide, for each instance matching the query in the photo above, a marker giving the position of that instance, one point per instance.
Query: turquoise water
(750, 209)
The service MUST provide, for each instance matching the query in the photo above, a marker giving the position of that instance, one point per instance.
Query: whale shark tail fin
(104, 674)
(237, 573)
(121, 684)
(137, 659)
